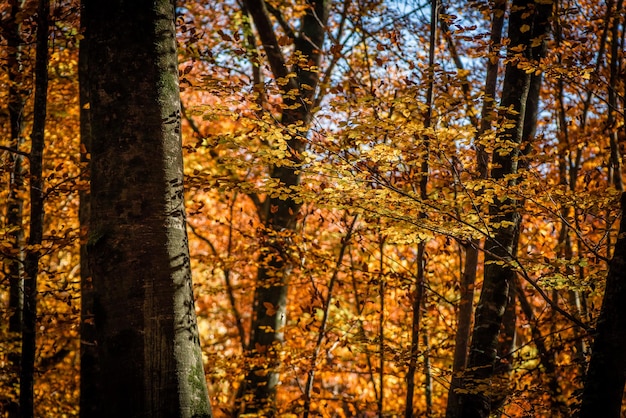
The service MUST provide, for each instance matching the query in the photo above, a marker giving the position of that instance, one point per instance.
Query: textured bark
(279, 216)
(148, 347)
(528, 20)
(606, 376)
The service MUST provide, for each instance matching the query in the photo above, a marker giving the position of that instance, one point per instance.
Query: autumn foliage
(391, 199)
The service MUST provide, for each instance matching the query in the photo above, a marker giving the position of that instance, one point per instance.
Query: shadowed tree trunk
(279, 215)
(149, 358)
(15, 203)
(31, 262)
(89, 392)
(528, 20)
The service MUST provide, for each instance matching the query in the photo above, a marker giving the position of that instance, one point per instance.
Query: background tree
(148, 347)
(11, 30)
(604, 383)
(298, 86)
(36, 227)
(527, 21)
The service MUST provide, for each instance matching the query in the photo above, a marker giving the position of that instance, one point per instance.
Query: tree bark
(279, 216)
(31, 263)
(468, 277)
(15, 203)
(89, 392)
(145, 323)
(528, 20)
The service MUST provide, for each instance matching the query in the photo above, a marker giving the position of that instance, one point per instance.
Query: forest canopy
(393, 208)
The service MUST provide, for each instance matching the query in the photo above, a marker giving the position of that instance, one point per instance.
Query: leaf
(270, 310)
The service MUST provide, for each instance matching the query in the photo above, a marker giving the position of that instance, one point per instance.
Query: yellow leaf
(524, 28)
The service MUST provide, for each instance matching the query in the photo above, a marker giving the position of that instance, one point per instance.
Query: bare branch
(15, 151)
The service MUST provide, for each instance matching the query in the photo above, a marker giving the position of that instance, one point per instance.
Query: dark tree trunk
(468, 277)
(31, 263)
(149, 358)
(279, 215)
(89, 392)
(15, 204)
(528, 20)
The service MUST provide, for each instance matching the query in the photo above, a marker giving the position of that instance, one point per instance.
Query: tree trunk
(89, 392)
(15, 204)
(528, 20)
(604, 383)
(468, 277)
(31, 263)
(148, 345)
(418, 301)
(279, 215)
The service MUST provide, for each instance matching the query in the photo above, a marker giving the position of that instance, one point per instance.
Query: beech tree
(341, 202)
(528, 25)
(148, 356)
(298, 84)
(15, 203)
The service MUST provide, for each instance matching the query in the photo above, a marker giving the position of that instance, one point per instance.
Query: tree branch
(265, 29)
(15, 151)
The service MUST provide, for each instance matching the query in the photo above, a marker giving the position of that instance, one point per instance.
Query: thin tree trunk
(546, 357)
(528, 20)
(381, 329)
(359, 304)
(604, 383)
(15, 203)
(279, 216)
(308, 388)
(149, 357)
(615, 162)
(568, 174)
(31, 264)
(468, 278)
(416, 308)
(428, 375)
(418, 300)
(606, 375)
